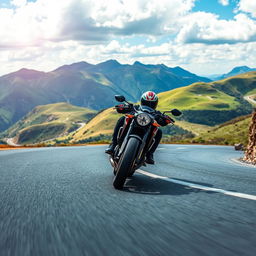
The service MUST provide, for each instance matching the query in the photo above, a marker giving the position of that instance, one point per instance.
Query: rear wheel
(126, 163)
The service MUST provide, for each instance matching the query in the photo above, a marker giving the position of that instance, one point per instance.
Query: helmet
(149, 99)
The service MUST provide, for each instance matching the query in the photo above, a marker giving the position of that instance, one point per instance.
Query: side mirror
(176, 112)
(120, 98)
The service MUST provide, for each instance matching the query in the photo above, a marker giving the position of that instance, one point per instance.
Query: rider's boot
(110, 149)
(150, 158)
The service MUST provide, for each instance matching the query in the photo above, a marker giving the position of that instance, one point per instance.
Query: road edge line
(197, 186)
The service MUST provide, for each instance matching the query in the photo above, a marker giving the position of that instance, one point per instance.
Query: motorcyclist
(149, 99)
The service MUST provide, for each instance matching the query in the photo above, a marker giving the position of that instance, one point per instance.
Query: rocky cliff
(250, 153)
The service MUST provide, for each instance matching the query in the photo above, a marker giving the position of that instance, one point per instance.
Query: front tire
(126, 163)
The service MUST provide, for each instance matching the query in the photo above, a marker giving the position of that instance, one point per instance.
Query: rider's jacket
(161, 119)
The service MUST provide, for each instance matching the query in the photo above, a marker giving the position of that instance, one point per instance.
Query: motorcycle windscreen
(146, 109)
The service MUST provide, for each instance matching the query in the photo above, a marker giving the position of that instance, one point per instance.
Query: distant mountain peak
(180, 69)
(137, 63)
(240, 68)
(235, 71)
(26, 73)
(75, 66)
(27, 70)
(110, 62)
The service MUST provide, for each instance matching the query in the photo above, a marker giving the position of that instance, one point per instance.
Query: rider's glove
(168, 119)
(163, 120)
(123, 108)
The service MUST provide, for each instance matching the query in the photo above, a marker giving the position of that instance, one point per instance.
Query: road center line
(197, 186)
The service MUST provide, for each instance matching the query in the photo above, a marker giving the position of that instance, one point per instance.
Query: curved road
(250, 99)
(60, 201)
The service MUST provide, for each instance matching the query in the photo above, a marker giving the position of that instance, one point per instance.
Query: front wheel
(126, 163)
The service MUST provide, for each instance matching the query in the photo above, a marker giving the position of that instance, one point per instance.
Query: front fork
(142, 151)
(152, 139)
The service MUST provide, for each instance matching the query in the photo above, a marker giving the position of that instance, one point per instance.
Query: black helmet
(149, 99)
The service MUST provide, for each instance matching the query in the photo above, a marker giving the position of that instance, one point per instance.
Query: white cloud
(248, 6)
(33, 23)
(30, 23)
(224, 2)
(46, 34)
(201, 27)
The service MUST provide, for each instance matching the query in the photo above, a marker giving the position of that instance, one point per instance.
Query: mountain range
(235, 71)
(86, 85)
(204, 105)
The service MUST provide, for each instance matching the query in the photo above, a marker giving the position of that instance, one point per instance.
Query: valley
(85, 85)
(212, 110)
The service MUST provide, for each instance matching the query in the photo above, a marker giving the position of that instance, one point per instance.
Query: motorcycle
(134, 140)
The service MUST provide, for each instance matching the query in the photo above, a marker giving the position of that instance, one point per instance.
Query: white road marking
(197, 186)
(237, 161)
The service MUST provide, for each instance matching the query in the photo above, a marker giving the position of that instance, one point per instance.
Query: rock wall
(250, 153)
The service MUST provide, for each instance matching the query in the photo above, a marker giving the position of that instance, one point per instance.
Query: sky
(203, 36)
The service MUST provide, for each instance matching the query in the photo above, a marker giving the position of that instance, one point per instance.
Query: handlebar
(130, 106)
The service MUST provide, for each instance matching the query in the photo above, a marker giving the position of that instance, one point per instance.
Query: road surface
(60, 201)
(10, 141)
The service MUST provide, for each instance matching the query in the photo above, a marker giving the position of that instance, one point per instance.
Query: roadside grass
(229, 133)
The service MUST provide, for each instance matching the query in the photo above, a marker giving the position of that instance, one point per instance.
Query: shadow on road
(146, 185)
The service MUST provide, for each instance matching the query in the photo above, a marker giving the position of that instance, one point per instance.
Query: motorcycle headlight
(143, 119)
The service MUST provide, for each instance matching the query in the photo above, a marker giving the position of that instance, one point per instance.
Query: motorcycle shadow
(146, 185)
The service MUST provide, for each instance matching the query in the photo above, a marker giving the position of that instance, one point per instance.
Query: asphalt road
(60, 201)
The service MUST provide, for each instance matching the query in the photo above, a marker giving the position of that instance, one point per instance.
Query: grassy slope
(41, 132)
(48, 121)
(220, 96)
(253, 92)
(198, 96)
(212, 103)
(229, 133)
(102, 125)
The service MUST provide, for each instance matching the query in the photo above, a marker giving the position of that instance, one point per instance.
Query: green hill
(100, 128)
(203, 105)
(48, 122)
(85, 85)
(229, 133)
(212, 103)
